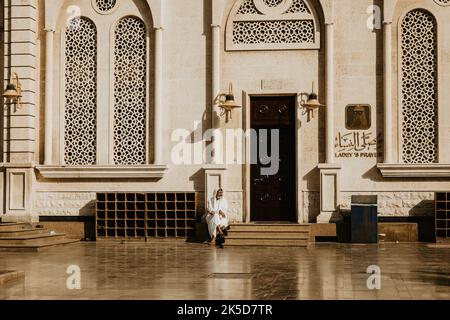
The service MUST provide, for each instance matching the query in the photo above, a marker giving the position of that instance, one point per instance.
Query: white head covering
(215, 204)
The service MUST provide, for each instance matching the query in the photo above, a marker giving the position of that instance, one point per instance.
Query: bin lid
(365, 200)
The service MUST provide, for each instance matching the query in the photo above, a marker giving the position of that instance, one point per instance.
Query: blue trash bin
(364, 219)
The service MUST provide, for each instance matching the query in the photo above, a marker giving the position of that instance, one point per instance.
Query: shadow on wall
(373, 174)
(423, 214)
(312, 205)
(198, 179)
(379, 69)
(88, 210)
(311, 200)
(312, 179)
(424, 208)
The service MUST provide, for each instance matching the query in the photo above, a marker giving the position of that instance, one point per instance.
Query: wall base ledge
(401, 170)
(329, 166)
(108, 172)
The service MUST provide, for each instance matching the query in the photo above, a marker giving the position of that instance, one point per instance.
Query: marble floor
(188, 271)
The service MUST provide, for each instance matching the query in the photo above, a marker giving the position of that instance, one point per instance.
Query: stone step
(268, 235)
(15, 226)
(270, 227)
(36, 239)
(242, 242)
(22, 232)
(34, 247)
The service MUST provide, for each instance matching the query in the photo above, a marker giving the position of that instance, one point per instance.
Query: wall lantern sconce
(228, 105)
(13, 91)
(313, 101)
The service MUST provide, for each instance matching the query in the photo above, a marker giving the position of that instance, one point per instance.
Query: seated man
(216, 215)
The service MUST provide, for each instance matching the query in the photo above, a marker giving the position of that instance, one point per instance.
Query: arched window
(130, 84)
(80, 110)
(419, 126)
(272, 24)
(106, 100)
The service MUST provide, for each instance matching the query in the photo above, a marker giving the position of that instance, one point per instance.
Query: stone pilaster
(19, 134)
(21, 58)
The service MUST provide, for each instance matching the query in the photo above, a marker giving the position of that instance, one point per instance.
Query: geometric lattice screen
(272, 24)
(419, 87)
(80, 108)
(130, 92)
(443, 2)
(105, 5)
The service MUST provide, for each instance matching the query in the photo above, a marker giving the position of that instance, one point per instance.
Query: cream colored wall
(187, 81)
(359, 71)
(291, 72)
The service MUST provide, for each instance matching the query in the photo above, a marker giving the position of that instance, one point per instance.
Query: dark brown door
(272, 196)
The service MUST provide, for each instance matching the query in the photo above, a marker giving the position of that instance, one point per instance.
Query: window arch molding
(289, 25)
(441, 113)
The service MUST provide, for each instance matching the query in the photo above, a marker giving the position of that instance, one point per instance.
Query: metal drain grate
(238, 276)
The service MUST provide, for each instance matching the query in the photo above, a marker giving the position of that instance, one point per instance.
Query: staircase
(268, 235)
(28, 238)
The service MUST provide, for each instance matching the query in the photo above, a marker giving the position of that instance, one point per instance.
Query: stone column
(48, 157)
(329, 171)
(388, 92)
(330, 93)
(215, 174)
(20, 57)
(158, 95)
(215, 87)
(21, 29)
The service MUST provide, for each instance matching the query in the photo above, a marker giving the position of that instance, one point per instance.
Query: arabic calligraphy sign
(357, 144)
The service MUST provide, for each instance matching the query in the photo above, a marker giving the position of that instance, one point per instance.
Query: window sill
(108, 172)
(414, 170)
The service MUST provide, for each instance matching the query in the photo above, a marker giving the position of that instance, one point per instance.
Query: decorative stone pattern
(419, 87)
(65, 203)
(248, 7)
(251, 29)
(397, 203)
(272, 3)
(105, 5)
(257, 32)
(443, 3)
(298, 6)
(80, 113)
(130, 83)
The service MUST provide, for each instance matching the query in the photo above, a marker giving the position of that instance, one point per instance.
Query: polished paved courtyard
(186, 271)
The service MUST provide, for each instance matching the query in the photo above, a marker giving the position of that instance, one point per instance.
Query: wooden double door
(273, 196)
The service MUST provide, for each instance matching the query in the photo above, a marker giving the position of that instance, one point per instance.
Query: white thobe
(214, 220)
